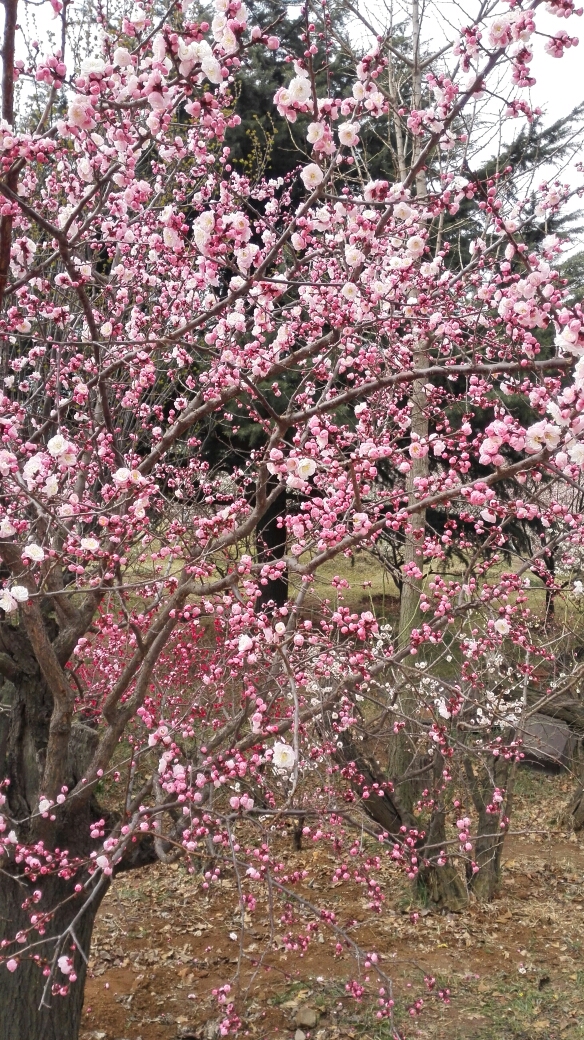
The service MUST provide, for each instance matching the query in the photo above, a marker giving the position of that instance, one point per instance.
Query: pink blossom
(81, 112)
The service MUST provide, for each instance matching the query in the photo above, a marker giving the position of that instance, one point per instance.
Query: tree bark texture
(26, 711)
(442, 884)
(490, 834)
(488, 849)
(385, 810)
(26, 1012)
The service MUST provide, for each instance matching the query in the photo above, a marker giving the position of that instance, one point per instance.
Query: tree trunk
(488, 849)
(490, 833)
(576, 806)
(365, 773)
(26, 707)
(550, 594)
(24, 1015)
(442, 884)
(577, 810)
(414, 542)
(271, 547)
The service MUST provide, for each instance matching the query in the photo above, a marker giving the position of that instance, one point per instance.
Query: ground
(514, 968)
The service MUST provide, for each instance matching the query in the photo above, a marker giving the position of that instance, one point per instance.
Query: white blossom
(305, 468)
(57, 445)
(34, 552)
(122, 57)
(502, 627)
(19, 593)
(90, 544)
(7, 603)
(312, 176)
(284, 756)
(299, 89)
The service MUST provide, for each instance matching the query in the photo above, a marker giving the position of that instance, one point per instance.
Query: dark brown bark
(26, 713)
(366, 774)
(24, 1015)
(271, 547)
(27, 717)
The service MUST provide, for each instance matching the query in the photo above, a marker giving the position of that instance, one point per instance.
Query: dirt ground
(515, 968)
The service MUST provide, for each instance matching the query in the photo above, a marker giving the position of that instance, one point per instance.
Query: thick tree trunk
(490, 833)
(24, 1013)
(26, 707)
(488, 849)
(441, 885)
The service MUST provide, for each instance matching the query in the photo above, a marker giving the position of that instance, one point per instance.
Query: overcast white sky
(560, 82)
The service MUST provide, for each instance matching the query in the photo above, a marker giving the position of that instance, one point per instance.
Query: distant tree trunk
(550, 594)
(442, 884)
(490, 834)
(384, 809)
(8, 55)
(271, 547)
(414, 541)
(21, 992)
(401, 760)
(576, 807)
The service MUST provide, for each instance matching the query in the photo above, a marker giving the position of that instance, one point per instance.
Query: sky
(560, 82)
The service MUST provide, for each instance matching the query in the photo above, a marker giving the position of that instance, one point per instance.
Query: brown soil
(515, 967)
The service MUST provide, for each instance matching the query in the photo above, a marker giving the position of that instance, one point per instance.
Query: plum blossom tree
(154, 706)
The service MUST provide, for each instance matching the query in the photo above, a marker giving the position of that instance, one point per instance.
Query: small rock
(299, 1035)
(206, 1031)
(306, 1016)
